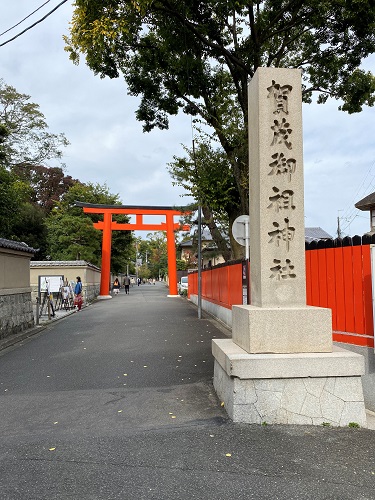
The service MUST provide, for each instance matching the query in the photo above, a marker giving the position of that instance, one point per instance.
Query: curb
(18, 337)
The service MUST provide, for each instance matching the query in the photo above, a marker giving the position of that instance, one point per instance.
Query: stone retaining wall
(90, 292)
(16, 312)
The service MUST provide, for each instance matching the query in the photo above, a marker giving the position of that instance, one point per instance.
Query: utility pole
(136, 260)
(199, 247)
(339, 233)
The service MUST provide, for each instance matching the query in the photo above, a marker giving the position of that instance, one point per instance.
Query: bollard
(37, 312)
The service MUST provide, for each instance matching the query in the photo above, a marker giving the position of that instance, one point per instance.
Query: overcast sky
(108, 145)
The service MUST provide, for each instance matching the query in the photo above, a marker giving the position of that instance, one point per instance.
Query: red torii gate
(108, 225)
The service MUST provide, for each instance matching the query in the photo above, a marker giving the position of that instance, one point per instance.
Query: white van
(183, 285)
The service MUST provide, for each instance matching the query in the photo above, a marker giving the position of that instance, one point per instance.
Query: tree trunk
(217, 237)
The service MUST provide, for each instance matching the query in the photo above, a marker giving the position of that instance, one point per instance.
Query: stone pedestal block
(305, 389)
(282, 330)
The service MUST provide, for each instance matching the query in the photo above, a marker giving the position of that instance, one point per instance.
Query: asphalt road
(116, 402)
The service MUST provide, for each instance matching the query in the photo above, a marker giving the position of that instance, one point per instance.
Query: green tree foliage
(157, 254)
(207, 175)
(153, 254)
(3, 135)
(182, 265)
(13, 194)
(28, 140)
(41, 188)
(71, 234)
(48, 184)
(30, 226)
(198, 56)
(28, 189)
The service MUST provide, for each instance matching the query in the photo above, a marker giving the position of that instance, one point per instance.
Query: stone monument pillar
(280, 365)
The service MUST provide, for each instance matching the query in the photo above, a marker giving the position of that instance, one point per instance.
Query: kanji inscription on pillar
(277, 236)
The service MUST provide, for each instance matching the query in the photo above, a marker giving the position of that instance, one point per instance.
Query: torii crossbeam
(108, 225)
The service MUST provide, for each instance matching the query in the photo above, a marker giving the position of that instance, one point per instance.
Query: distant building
(315, 234)
(367, 204)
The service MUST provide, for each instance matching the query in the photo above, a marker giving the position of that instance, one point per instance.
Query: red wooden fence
(338, 278)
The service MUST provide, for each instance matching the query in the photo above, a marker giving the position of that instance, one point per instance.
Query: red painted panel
(315, 295)
(358, 291)
(322, 278)
(331, 286)
(215, 286)
(224, 279)
(348, 265)
(204, 277)
(236, 285)
(208, 284)
(367, 286)
(308, 279)
(339, 286)
(192, 284)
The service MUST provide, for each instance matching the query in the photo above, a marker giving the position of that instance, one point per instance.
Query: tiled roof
(16, 245)
(62, 263)
(206, 236)
(366, 203)
(316, 233)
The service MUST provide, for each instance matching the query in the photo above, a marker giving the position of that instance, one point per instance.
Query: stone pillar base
(305, 389)
(282, 330)
(104, 297)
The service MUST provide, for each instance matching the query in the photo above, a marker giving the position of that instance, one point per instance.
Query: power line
(34, 24)
(24, 19)
(349, 208)
(351, 212)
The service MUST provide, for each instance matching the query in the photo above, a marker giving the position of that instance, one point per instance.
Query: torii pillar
(108, 225)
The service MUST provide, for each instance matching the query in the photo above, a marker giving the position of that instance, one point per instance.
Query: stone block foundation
(16, 312)
(259, 395)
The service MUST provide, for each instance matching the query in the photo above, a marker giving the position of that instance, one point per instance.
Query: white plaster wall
(221, 313)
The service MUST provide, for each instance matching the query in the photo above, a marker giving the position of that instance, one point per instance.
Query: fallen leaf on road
(52, 449)
(228, 454)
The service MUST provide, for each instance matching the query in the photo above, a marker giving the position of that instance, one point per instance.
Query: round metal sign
(239, 229)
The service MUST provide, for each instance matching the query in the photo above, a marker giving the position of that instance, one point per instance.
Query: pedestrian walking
(116, 286)
(126, 284)
(78, 293)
